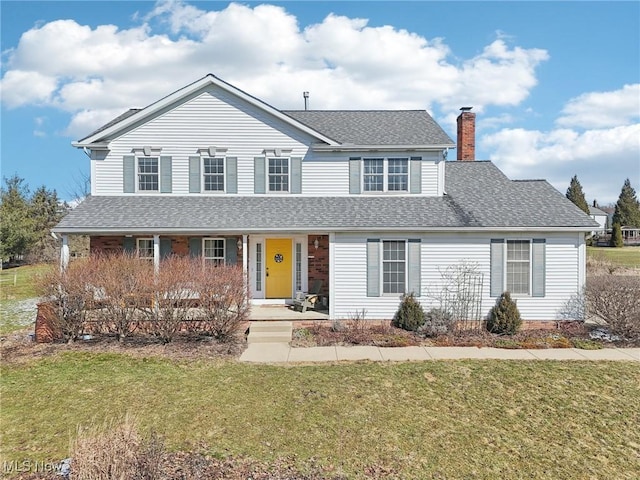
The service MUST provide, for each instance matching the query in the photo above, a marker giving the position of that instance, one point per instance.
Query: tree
(46, 210)
(616, 236)
(16, 227)
(627, 211)
(576, 195)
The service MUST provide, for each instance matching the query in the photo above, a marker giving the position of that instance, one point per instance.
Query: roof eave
(315, 229)
(374, 148)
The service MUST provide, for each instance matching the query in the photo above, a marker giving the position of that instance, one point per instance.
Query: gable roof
(134, 116)
(596, 211)
(479, 197)
(364, 128)
(375, 127)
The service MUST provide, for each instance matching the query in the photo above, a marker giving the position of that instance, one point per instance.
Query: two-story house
(364, 201)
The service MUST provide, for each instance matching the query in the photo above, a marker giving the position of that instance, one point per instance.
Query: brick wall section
(45, 330)
(110, 244)
(466, 136)
(319, 264)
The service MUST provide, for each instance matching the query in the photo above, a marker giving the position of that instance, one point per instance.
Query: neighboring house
(362, 200)
(599, 216)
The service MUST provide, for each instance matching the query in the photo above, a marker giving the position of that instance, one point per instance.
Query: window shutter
(195, 247)
(497, 266)
(165, 247)
(165, 175)
(538, 267)
(415, 261)
(231, 251)
(231, 171)
(129, 174)
(415, 170)
(296, 175)
(129, 244)
(373, 267)
(194, 175)
(354, 175)
(259, 182)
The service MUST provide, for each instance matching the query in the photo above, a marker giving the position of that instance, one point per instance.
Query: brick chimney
(467, 135)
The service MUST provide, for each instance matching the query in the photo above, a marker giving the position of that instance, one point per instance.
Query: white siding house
(363, 201)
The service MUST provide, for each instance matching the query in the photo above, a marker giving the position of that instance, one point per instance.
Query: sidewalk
(283, 353)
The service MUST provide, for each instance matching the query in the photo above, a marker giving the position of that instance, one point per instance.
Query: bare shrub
(116, 451)
(356, 330)
(173, 297)
(574, 309)
(614, 299)
(125, 285)
(70, 296)
(223, 299)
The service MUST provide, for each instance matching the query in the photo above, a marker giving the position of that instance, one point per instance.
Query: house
(599, 216)
(364, 201)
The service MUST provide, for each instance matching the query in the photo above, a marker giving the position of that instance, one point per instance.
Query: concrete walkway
(283, 353)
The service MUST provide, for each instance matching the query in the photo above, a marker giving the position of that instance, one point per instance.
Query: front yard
(448, 419)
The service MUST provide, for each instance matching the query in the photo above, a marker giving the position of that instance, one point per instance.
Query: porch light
(316, 243)
(239, 243)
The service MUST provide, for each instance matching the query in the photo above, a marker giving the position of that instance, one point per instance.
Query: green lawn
(462, 419)
(17, 301)
(625, 256)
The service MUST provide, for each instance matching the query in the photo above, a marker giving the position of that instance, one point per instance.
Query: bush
(68, 294)
(614, 299)
(437, 321)
(616, 236)
(410, 315)
(504, 317)
(223, 299)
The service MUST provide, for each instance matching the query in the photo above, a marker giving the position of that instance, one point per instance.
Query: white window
(148, 174)
(213, 250)
(278, 175)
(518, 266)
(258, 267)
(213, 174)
(144, 248)
(385, 175)
(394, 266)
(298, 260)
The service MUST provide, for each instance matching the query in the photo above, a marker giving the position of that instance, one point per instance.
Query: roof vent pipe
(305, 95)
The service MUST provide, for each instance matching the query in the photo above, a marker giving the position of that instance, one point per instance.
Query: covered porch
(265, 313)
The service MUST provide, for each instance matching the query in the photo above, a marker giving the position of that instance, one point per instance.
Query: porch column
(245, 259)
(64, 253)
(156, 253)
(332, 290)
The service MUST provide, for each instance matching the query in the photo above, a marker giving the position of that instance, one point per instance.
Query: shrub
(410, 315)
(616, 236)
(116, 451)
(437, 321)
(223, 299)
(504, 317)
(172, 297)
(614, 299)
(71, 299)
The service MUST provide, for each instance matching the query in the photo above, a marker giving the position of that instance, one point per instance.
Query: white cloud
(97, 73)
(601, 158)
(603, 109)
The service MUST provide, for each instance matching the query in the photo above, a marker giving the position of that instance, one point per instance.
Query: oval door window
(278, 258)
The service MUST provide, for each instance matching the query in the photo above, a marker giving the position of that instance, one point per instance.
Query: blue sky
(555, 85)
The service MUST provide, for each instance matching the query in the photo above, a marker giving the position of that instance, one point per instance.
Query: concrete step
(270, 332)
(271, 326)
(269, 337)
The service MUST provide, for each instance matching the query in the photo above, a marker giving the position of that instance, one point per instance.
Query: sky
(555, 85)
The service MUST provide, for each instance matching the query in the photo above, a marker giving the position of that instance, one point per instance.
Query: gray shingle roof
(374, 127)
(478, 196)
(260, 213)
(119, 118)
(483, 191)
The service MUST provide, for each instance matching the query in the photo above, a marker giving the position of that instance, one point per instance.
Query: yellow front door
(279, 266)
